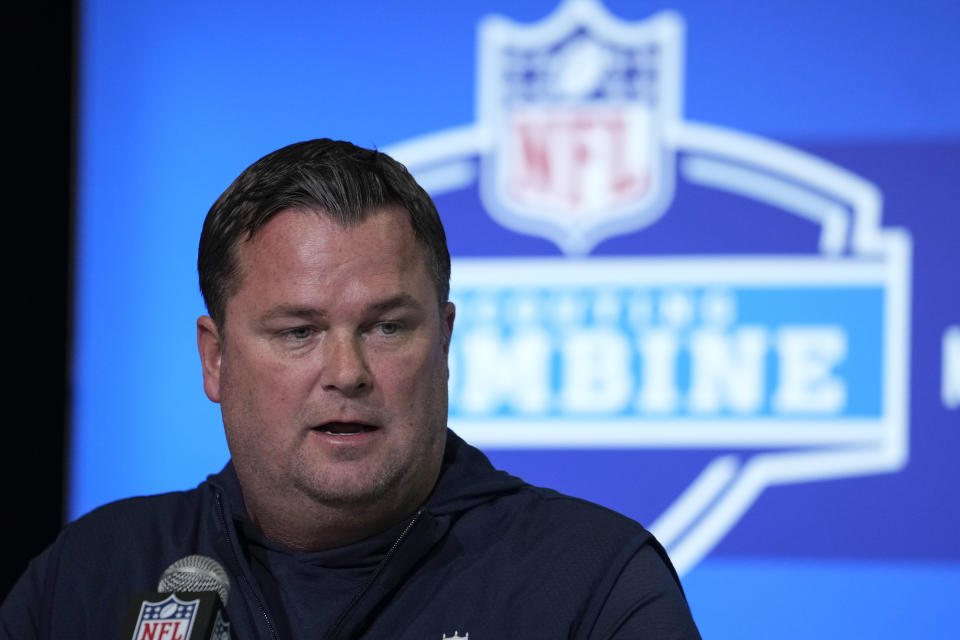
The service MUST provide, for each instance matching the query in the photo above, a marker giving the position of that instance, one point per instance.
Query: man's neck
(302, 523)
(326, 528)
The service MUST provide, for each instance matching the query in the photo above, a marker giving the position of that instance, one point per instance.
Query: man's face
(332, 373)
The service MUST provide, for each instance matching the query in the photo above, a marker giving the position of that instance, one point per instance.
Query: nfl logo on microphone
(169, 619)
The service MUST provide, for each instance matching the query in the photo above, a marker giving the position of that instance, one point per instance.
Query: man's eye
(389, 328)
(299, 333)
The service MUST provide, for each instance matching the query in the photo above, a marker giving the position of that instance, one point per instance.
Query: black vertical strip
(36, 222)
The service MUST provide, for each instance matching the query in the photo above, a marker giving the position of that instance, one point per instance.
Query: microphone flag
(177, 616)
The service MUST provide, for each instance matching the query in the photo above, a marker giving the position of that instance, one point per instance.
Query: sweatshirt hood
(467, 478)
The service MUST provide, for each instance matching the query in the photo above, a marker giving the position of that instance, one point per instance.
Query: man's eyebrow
(399, 301)
(395, 302)
(292, 311)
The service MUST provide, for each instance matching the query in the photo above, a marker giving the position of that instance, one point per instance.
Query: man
(348, 509)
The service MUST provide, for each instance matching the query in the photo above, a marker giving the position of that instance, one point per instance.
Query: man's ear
(446, 320)
(211, 349)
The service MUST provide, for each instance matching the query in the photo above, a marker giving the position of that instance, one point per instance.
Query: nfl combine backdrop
(706, 261)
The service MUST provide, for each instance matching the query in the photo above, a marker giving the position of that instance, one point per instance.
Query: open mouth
(344, 428)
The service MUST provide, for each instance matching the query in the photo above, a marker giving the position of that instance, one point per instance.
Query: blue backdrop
(706, 264)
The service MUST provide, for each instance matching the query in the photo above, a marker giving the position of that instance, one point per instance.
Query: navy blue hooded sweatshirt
(487, 555)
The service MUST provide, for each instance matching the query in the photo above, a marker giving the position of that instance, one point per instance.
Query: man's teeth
(343, 429)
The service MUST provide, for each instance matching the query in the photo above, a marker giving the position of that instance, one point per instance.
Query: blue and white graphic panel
(705, 260)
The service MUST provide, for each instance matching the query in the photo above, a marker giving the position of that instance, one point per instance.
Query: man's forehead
(337, 224)
(301, 242)
(338, 221)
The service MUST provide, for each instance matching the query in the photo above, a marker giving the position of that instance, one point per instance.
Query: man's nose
(344, 366)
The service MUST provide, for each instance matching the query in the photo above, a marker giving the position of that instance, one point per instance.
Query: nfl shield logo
(169, 619)
(577, 110)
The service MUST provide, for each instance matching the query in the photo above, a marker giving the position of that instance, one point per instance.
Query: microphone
(190, 604)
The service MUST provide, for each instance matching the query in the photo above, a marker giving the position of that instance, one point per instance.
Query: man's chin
(350, 488)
